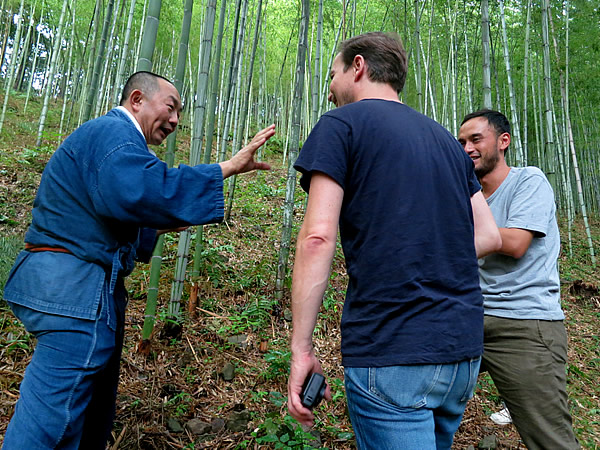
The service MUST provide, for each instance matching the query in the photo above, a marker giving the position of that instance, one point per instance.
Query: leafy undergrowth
(238, 323)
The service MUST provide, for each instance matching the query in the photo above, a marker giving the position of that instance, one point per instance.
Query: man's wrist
(303, 347)
(226, 169)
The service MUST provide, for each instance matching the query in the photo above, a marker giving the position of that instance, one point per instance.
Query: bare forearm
(487, 237)
(309, 282)
(515, 241)
(487, 244)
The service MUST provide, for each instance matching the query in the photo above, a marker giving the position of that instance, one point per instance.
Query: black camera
(313, 390)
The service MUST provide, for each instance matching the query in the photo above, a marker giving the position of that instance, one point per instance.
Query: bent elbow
(518, 253)
(316, 243)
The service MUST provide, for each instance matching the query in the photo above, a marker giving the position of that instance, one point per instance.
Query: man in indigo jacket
(103, 198)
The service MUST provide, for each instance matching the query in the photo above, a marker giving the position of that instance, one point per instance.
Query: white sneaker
(501, 417)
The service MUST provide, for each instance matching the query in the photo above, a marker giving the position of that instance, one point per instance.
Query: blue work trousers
(67, 396)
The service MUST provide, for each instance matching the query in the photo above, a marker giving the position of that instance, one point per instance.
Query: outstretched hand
(243, 161)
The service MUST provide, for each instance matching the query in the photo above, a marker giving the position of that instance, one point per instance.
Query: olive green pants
(527, 359)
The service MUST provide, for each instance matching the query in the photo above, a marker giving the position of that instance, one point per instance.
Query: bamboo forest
(206, 356)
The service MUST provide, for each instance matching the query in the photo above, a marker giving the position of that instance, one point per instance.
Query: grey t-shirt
(528, 287)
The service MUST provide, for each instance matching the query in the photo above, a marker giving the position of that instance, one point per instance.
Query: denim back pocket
(404, 386)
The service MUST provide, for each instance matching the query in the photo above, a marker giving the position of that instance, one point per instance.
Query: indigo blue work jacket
(102, 197)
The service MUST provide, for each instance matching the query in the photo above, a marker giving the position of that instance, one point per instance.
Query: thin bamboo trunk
(195, 154)
(70, 60)
(140, 37)
(329, 63)
(427, 58)
(222, 101)
(81, 72)
(89, 71)
(104, 77)
(453, 52)
(495, 72)
(283, 64)
(525, 86)
(417, 61)
(485, 41)
(467, 65)
(92, 96)
(149, 38)
(24, 54)
(318, 67)
(121, 71)
(6, 33)
(202, 84)
(565, 193)
(236, 47)
(362, 25)
(210, 126)
(156, 260)
(549, 147)
(50, 78)
(13, 64)
(565, 101)
(540, 135)
(36, 52)
(244, 111)
(516, 135)
(445, 82)
(288, 210)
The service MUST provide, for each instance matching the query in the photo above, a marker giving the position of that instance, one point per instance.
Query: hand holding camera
(313, 390)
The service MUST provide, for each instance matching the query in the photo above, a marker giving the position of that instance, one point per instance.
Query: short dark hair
(147, 82)
(495, 119)
(384, 54)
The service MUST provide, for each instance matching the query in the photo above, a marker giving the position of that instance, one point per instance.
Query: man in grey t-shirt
(525, 342)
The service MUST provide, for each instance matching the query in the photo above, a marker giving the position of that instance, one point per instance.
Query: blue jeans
(69, 389)
(409, 407)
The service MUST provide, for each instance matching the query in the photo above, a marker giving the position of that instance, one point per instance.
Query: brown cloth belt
(45, 248)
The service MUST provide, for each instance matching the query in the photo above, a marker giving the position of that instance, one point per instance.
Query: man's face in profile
(340, 87)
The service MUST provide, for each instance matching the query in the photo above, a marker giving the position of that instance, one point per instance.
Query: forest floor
(221, 381)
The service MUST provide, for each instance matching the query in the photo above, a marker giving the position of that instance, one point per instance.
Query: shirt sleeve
(326, 150)
(532, 204)
(135, 187)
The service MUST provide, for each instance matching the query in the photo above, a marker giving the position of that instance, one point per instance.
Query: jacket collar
(135, 122)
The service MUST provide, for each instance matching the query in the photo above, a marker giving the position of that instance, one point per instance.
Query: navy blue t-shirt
(406, 228)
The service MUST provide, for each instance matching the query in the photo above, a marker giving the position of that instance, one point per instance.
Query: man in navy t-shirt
(412, 221)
